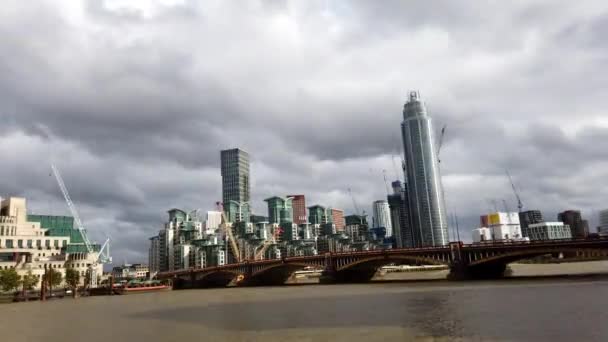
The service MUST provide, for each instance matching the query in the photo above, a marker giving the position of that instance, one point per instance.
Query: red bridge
(470, 261)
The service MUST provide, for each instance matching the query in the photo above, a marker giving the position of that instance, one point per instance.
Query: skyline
(135, 110)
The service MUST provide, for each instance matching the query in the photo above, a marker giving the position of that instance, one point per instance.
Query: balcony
(8, 219)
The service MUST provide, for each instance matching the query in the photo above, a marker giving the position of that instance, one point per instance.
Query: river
(514, 310)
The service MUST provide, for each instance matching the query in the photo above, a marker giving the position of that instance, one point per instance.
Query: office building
(527, 218)
(578, 226)
(549, 231)
(280, 209)
(382, 216)
(235, 184)
(425, 191)
(399, 209)
(29, 243)
(337, 218)
(603, 227)
(299, 209)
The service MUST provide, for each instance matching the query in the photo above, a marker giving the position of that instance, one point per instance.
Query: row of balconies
(8, 219)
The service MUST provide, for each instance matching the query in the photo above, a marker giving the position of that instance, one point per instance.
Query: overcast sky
(133, 100)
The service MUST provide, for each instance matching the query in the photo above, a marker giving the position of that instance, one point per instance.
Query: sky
(133, 101)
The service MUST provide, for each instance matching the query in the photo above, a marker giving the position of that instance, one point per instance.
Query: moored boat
(141, 287)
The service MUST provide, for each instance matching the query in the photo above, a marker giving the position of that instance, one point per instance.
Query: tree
(72, 278)
(9, 279)
(87, 278)
(53, 278)
(28, 282)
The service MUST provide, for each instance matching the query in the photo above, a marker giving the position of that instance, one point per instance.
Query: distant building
(603, 227)
(280, 209)
(502, 226)
(402, 229)
(337, 218)
(356, 227)
(527, 218)
(578, 226)
(481, 234)
(317, 214)
(299, 209)
(29, 243)
(154, 255)
(382, 216)
(259, 219)
(425, 191)
(235, 184)
(549, 231)
(130, 271)
(213, 220)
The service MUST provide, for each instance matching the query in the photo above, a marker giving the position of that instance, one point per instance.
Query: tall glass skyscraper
(424, 188)
(382, 216)
(235, 184)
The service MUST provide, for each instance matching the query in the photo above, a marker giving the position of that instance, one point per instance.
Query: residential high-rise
(397, 203)
(280, 209)
(527, 218)
(424, 188)
(382, 216)
(603, 227)
(154, 255)
(299, 209)
(337, 218)
(235, 184)
(578, 226)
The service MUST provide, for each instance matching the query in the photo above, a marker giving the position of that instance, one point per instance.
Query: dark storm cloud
(134, 100)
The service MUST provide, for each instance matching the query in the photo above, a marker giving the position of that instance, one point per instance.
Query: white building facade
(27, 247)
(549, 231)
(382, 216)
(603, 227)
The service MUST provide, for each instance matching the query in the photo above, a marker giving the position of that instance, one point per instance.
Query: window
(38, 243)
(56, 243)
(47, 243)
(9, 243)
(20, 243)
(64, 243)
(29, 243)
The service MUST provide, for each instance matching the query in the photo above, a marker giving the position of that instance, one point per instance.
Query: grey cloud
(134, 107)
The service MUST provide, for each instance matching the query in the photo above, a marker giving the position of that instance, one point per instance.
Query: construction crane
(103, 256)
(386, 183)
(520, 205)
(441, 135)
(357, 211)
(269, 242)
(229, 234)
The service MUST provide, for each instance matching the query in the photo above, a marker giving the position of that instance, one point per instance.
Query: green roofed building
(63, 226)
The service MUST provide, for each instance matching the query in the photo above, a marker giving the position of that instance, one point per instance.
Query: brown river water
(513, 310)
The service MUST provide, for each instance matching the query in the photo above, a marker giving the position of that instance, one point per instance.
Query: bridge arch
(512, 256)
(381, 260)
